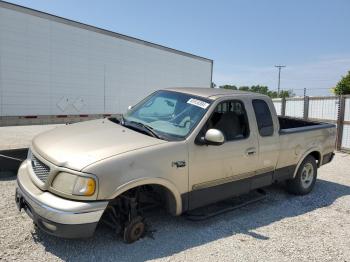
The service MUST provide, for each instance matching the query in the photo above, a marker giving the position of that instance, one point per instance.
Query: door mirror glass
(214, 137)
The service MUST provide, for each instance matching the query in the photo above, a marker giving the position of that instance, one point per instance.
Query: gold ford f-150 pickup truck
(179, 148)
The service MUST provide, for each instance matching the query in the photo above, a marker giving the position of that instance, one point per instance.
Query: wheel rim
(307, 175)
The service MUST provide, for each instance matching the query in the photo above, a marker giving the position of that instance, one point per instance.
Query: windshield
(168, 114)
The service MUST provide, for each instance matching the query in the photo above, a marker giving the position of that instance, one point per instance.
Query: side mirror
(214, 137)
(130, 107)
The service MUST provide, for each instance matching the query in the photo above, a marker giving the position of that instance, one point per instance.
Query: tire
(305, 179)
(134, 230)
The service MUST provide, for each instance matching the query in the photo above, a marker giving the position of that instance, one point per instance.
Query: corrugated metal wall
(52, 68)
(324, 109)
(278, 105)
(346, 128)
(294, 107)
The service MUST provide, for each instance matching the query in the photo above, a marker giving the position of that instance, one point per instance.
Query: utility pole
(279, 77)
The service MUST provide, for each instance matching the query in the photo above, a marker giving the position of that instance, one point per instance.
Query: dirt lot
(280, 228)
(12, 137)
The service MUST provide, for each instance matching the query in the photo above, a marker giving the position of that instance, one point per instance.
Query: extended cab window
(231, 119)
(263, 117)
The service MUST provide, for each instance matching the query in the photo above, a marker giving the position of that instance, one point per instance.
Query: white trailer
(53, 68)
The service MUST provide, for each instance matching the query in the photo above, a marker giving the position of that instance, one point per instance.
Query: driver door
(218, 172)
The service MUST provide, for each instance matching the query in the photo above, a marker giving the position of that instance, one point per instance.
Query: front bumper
(55, 215)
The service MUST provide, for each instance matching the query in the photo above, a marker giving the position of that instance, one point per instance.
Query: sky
(245, 38)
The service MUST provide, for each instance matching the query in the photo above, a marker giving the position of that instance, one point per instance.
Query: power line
(313, 88)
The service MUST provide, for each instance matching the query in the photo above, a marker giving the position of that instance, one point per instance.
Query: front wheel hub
(134, 230)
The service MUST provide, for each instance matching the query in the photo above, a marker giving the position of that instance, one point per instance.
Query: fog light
(49, 226)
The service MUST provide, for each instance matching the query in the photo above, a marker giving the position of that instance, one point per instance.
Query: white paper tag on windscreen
(197, 102)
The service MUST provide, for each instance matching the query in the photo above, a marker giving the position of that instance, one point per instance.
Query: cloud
(317, 77)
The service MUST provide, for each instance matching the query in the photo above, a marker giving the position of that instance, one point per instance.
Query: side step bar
(225, 206)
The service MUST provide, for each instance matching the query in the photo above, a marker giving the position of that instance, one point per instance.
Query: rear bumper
(55, 215)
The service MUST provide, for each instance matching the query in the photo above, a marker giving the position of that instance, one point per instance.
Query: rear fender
(301, 159)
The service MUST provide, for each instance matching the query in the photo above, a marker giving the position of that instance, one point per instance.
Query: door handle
(250, 152)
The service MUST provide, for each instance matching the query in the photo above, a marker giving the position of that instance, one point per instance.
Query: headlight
(73, 184)
(84, 186)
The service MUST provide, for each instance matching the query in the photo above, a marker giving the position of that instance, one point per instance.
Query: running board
(225, 206)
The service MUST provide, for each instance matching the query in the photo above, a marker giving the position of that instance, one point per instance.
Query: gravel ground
(12, 137)
(279, 228)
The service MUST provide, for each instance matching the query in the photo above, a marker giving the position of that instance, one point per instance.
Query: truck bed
(292, 125)
(298, 136)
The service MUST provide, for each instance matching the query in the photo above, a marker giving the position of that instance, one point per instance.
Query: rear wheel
(305, 179)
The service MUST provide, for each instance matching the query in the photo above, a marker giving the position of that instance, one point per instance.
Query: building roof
(66, 21)
(212, 93)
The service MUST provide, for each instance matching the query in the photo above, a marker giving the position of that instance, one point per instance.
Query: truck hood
(78, 145)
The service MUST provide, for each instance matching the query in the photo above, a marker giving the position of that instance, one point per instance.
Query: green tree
(283, 93)
(272, 94)
(244, 88)
(232, 87)
(343, 86)
(286, 93)
(261, 90)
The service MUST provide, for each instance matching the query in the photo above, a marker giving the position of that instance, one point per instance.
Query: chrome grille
(40, 169)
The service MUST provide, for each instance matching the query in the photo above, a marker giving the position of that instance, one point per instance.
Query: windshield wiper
(122, 120)
(146, 128)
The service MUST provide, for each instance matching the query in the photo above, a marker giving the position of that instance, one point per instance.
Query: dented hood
(79, 145)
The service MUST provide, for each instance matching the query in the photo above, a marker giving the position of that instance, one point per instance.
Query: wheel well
(317, 156)
(168, 199)
(158, 193)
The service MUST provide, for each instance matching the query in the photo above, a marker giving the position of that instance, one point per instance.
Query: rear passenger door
(268, 139)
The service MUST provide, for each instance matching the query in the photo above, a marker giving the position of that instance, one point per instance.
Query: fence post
(306, 107)
(340, 122)
(283, 106)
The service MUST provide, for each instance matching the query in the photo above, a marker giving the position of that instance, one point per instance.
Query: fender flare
(152, 181)
(301, 159)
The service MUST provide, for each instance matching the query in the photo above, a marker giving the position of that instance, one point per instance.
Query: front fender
(151, 181)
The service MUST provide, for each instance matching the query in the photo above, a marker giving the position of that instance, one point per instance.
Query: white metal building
(54, 66)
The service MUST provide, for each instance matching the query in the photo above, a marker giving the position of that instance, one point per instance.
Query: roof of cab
(212, 93)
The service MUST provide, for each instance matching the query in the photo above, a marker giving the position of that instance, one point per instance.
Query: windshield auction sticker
(197, 102)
